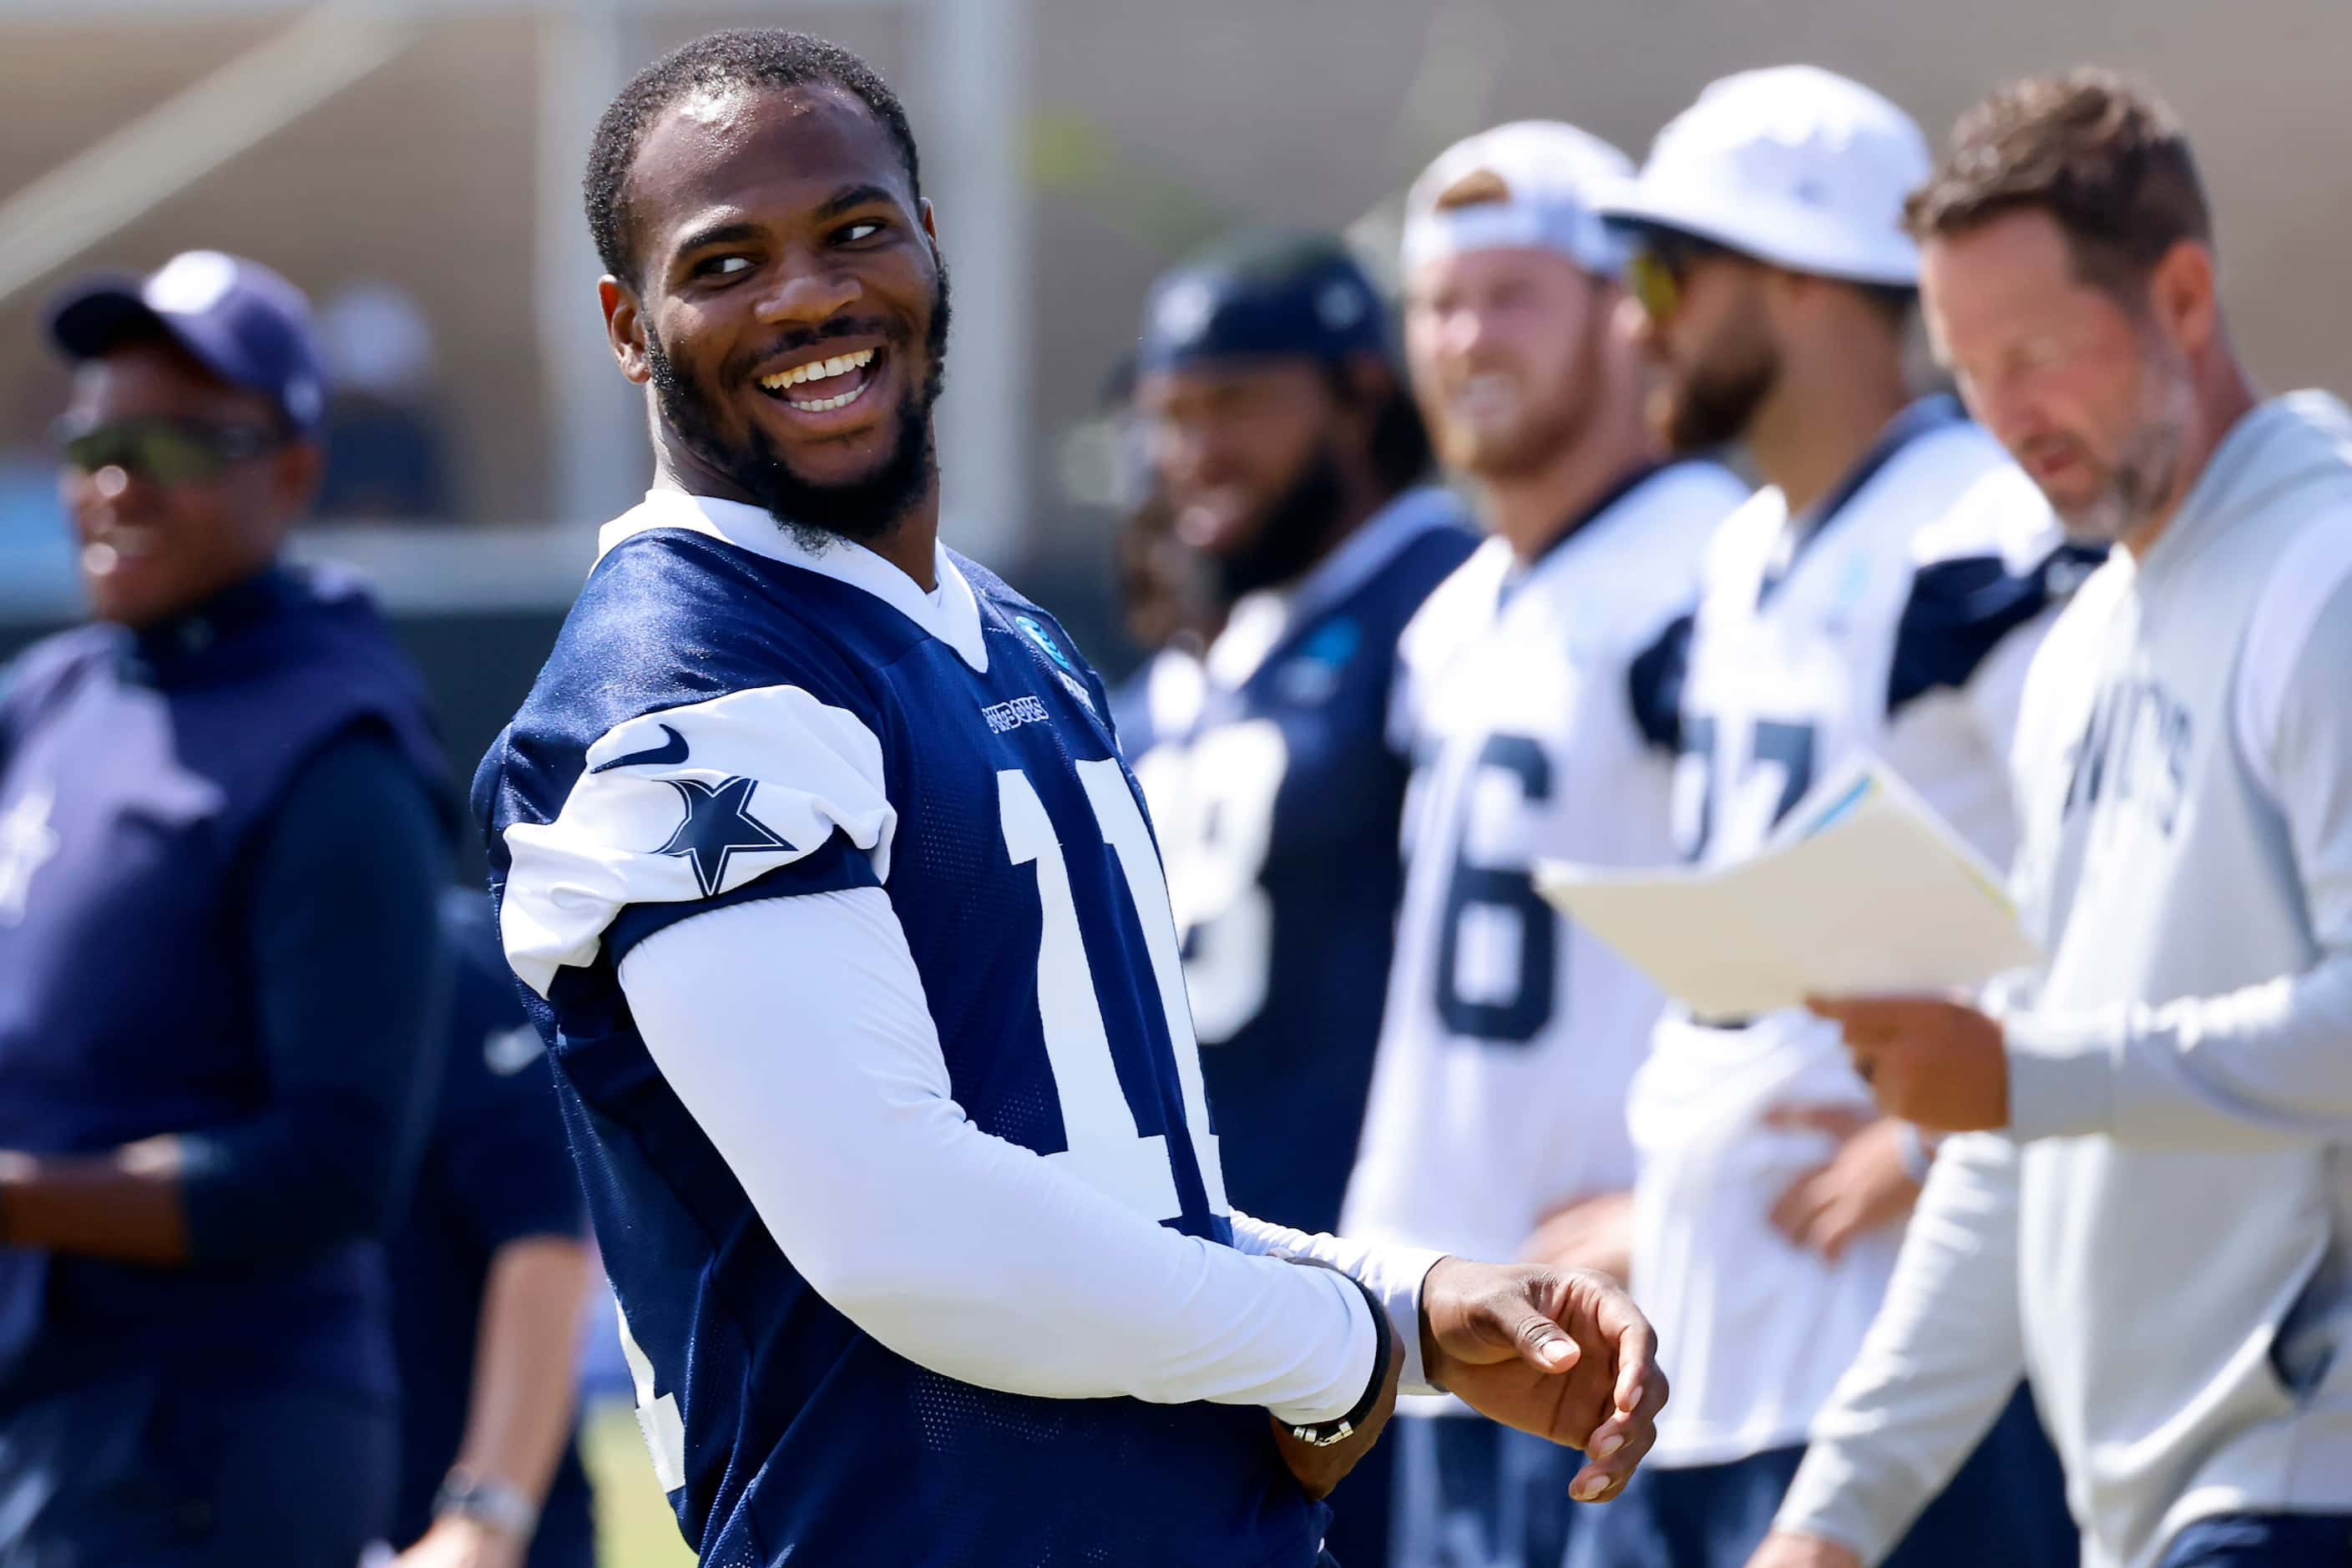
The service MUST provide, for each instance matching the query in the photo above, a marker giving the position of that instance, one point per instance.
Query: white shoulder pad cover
(1993, 509)
(688, 804)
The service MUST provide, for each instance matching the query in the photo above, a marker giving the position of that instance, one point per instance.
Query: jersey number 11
(1106, 1147)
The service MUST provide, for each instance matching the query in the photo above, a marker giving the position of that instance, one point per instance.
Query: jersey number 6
(1487, 892)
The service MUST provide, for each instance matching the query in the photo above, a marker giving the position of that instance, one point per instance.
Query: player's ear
(927, 217)
(624, 329)
(1370, 386)
(295, 472)
(1786, 294)
(1365, 390)
(2183, 292)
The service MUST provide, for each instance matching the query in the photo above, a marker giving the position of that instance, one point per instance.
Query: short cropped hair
(756, 57)
(2103, 157)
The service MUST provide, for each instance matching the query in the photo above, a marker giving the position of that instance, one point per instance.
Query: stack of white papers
(1863, 889)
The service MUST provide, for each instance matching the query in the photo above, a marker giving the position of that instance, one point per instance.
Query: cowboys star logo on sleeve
(689, 803)
(719, 825)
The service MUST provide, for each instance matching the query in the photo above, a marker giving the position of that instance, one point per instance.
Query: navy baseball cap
(244, 322)
(1264, 296)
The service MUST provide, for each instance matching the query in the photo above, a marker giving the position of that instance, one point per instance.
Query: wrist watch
(1324, 1434)
(501, 1505)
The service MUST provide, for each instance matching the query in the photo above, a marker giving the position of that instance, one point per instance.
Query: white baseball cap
(1794, 166)
(1539, 185)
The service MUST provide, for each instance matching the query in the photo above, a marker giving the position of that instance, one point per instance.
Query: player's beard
(2142, 478)
(1296, 528)
(1549, 432)
(1715, 402)
(862, 510)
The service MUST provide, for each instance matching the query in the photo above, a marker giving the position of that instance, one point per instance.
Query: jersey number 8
(1214, 801)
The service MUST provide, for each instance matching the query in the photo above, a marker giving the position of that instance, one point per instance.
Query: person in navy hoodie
(223, 826)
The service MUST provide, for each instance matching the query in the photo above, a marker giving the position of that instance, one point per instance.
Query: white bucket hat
(1794, 166)
(1548, 183)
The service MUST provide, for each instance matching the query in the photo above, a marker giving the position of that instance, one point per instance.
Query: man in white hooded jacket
(2152, 1213)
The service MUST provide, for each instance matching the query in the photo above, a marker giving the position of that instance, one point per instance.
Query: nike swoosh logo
(671, 751)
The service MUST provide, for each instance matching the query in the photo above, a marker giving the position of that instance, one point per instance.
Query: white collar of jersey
(950, 614)
(1259, 621)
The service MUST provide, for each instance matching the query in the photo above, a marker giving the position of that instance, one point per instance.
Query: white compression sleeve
(796, 1032)
(1941, 1358)
(1392, 1273)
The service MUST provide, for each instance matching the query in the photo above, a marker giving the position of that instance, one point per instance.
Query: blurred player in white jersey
(2158, 1230)
(1498, 1099)
(1883, 593)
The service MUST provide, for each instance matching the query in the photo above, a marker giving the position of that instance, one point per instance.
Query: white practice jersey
(1898, 621)
(1510, 1035)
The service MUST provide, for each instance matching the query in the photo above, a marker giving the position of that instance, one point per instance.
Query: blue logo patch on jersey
(1045, 639)
(1312, 674)
(719, 824)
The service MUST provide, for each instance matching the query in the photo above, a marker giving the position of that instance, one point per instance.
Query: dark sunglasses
(166, 451)
(1660, 269)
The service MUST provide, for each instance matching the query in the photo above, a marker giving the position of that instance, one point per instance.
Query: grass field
(635, 1528)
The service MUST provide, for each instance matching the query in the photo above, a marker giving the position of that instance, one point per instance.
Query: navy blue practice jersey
(1279, 797)
(728, 716)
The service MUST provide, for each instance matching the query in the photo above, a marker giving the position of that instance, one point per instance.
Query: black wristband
(1323, 1434)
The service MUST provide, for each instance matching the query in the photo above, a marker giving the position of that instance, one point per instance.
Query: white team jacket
(2160, 1241)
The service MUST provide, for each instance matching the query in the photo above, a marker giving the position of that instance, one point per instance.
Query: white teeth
(826, 403)
(818, 370)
